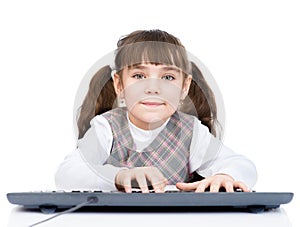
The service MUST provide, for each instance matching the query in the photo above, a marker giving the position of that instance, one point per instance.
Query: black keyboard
(52, 201)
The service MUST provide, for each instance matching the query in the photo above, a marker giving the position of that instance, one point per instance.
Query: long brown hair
(154, 46)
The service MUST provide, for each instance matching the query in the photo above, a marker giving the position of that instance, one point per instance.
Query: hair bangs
(154, 53)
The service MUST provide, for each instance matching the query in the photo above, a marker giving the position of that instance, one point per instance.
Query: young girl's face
(152, 92)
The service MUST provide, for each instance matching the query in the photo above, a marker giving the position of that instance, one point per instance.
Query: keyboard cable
(70, 210)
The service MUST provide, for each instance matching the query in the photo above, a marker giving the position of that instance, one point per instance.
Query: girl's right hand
(141, 175)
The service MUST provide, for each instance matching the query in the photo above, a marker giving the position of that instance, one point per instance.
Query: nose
(152, 87)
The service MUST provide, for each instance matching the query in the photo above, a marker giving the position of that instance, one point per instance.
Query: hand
(141, 175)
(214, 183)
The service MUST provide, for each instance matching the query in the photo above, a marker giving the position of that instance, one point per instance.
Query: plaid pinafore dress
(169, 151)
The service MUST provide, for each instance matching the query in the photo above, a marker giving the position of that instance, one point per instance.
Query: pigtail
(99, 99)
(203, 100)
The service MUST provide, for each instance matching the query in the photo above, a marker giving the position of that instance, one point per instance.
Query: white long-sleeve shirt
(84, 168)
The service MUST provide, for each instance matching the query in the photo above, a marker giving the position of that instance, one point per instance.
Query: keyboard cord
(72, 209)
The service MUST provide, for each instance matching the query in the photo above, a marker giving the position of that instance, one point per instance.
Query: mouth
(152, 103)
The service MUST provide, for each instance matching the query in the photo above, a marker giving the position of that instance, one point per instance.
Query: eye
(168, 77)
(138, 76)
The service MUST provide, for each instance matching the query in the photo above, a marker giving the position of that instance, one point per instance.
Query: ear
(186, 86)
(118, 85)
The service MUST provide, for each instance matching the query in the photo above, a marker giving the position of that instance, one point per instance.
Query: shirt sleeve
(84, 168)
(209, 156)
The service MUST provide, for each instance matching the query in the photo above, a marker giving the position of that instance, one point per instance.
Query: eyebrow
(167, 68)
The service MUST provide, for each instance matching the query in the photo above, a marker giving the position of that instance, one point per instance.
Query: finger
(202, 186)
(166, 182)
(123, 180)
(215, 186)
(142, 182)
(158, 188)
(241, 185)
(228, 186)
(159, 184)
(187, 186)
(157, 179)
(127, 183)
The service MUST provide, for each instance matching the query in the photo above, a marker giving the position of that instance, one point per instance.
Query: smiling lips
(152, 103)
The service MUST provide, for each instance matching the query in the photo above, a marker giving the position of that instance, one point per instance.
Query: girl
(151, 121)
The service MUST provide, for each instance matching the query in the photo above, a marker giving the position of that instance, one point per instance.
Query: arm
(84, 168)
(218, 164)
(75, 173)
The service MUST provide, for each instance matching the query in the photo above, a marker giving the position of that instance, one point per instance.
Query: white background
(251, 48)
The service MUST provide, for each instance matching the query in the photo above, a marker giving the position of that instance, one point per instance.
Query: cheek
(133, 94)
(171, 93)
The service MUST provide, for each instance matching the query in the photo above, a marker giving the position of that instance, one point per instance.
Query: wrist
(225, 175)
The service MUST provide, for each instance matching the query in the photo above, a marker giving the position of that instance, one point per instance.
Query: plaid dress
(169, 151)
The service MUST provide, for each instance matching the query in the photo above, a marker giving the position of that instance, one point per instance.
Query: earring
(121, 102)
(180, 102)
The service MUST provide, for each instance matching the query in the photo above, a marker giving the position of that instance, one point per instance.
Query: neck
(146, 125)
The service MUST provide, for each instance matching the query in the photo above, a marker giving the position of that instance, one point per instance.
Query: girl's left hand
(214, 183)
